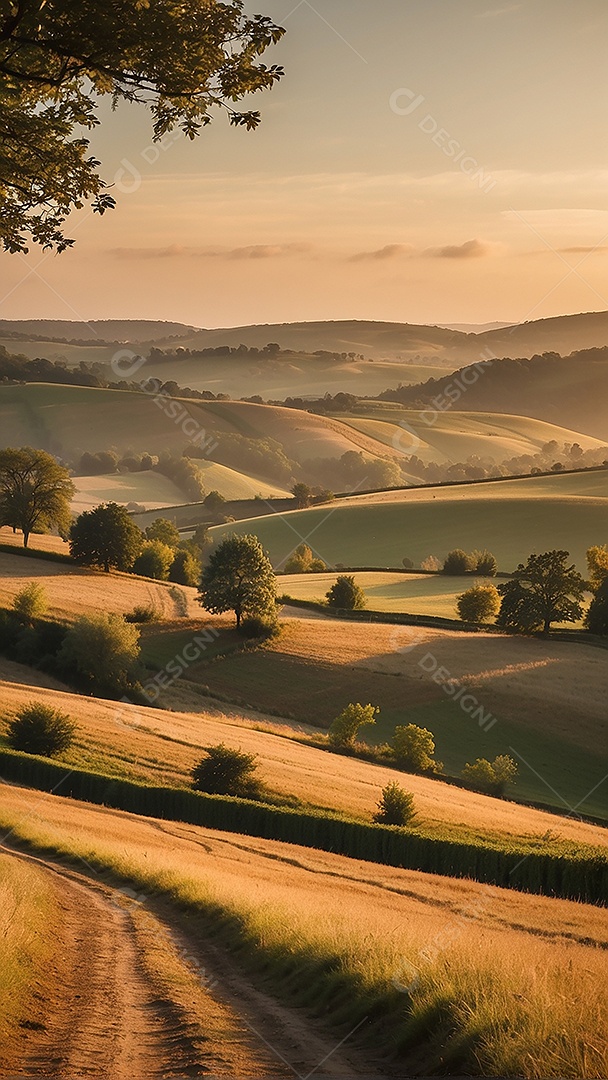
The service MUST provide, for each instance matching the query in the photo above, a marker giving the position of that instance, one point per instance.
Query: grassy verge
(557, 868)
(464, 1001)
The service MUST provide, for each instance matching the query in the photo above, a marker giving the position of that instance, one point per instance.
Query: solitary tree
(35, 491)
(238, 577)
(395, 806)
(484, 563)
(181, 59)
(544, 591)
(346, 594)
(479, 604)
(414, 749)
(303, 494)
(345, 728)
(38, 728)
(226, 771)
(106, 537)
(31, 601)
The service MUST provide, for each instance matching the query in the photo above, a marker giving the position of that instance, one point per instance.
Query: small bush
(345, 728)
(259, 627)
(395, 806)
(457, 562)
(143, 613)
(40, 729)
(155, 560)
(479, 604)
(484, 563)
(102, 651)
(225, 771)
(414, 748)
(431, 563)
(31, 601)
(491, 777)
(345, 594)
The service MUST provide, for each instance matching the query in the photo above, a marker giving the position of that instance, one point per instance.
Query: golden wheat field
(522, 976)
(161, 746)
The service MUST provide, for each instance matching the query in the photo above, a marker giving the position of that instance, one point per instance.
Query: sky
(422, 161)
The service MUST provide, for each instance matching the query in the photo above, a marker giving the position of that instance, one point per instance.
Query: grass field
(512, 518)
(28, 910)
(450, 974)
(455, 436)
(156, 492)
(417, 594)
(72, 591)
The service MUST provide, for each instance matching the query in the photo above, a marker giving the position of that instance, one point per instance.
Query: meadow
(452, 975)
(511, 518)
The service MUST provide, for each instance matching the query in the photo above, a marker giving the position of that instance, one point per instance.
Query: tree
(597, 616)
(180, 59)
(457, 562)
(225, 771)
(491, 777)
(345, 728)
(479, 604)
(597, 564)
(185, 568)
(431, 563)
(40, 729)
(414, 748)
(164, 530)
(484, 563)
(544, 591)
(104, 652)
(395, 806)
(238, 577)
(214, 501)
(35, 491)
(303, 494)
(31, 601)
(106, 537)
(154, 561)
(299, 561)
(345, 594)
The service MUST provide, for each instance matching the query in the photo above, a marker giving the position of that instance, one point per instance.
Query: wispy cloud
(471, 249)
(389, 251)
(252, 251)
(496, 13)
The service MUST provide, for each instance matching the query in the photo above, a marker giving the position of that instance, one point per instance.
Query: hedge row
(565, 872)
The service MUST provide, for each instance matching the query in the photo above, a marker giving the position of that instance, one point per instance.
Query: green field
(511, 518)
(416, 594)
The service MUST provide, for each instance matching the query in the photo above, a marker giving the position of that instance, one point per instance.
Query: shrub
(260, 627)
(345, 728)
(458, 562)
(104, 651)
(431, 563)
(414, 748)
(345, 594)
(154, 561)
(407, 564)
(395, 806)
(185, 568)
(40, 729)
(479, 604)
(143, 613)
(31, 601)
(317, 566)
(225, 771)
(299, 562)
(491, 777)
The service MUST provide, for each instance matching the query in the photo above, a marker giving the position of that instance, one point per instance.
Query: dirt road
(130, 998)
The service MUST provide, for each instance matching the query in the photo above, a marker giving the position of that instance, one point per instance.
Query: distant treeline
(271, 351)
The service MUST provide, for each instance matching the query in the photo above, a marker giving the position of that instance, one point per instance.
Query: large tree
(546, 590)
(238, 577)
(35, 491)
(181, 58)
(106, 537)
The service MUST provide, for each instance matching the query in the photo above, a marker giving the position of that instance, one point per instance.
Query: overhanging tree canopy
(179, 57)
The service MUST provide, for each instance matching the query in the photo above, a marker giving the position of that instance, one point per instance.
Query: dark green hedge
(564, 872)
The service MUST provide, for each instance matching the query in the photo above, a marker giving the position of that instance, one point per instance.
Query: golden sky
(422, 161)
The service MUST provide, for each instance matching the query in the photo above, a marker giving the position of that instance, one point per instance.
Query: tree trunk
(26, 537)
(238, 619)
(547, 627)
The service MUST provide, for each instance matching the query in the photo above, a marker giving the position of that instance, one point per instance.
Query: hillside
(512, 518)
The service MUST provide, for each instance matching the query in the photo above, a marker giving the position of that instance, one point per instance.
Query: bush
(345, 728)
(317, 566)
(40, 729)
(260, 627)
(484, 563)
(431, 563)
(164, 530)
(103, 650)
(31, 601)
(597, 616)
(225, 771)
(458, 562)
(479, 604)
(414, 748)
(154, 561)
(143, 613)
(185, 568)
(395, 806)
(491, 777)
(345, 594)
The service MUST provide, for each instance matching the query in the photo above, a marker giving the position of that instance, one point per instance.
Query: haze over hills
(388, 340)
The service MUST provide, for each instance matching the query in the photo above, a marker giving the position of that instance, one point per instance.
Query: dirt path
(129, 997)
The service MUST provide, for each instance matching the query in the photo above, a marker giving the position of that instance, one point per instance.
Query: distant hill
(460, 343)
(570, 391)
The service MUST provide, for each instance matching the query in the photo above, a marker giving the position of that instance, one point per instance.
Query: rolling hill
(512, 518)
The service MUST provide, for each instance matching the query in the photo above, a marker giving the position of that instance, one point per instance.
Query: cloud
(496, 13)
(268, 251)
(253, 251)
(471, 249)
(583, 250)
(389, 251)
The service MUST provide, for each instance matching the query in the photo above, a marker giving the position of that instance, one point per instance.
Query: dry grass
(500, 982)
(72, 592)
(162, 747)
